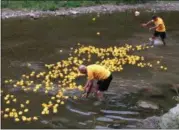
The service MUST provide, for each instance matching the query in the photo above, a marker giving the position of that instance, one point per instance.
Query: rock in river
(104, 119)
(101, 127)
(170, 120)
(153, 92)
(149, 123)
(147, 105)
(156, 92)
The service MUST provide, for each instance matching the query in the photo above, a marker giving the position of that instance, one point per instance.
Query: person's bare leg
(87, 89)
(153, 38)
(100, 95)
(94, 90)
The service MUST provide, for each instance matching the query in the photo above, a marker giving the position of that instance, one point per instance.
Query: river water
(38, 42)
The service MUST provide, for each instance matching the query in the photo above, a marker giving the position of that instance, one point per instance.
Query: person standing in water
(160, 29)
(99, 73)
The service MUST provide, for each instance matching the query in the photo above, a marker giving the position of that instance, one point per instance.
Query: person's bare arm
(148, 23)
(88, 85)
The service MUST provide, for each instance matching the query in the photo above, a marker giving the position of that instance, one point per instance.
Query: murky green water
(40, 41)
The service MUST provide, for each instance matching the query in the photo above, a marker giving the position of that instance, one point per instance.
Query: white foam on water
(120, 112)
(158, 42)
(122, 118)
(80, 112)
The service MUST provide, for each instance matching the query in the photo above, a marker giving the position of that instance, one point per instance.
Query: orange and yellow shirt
(161, 27)
(97, 72)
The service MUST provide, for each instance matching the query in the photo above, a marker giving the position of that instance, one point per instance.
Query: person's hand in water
(84, 95)
(100, 96)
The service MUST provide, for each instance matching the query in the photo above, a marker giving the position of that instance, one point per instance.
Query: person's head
(82, 69)
(154, 17)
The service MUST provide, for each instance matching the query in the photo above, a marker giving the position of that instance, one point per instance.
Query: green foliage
(55, 4)
(72, 4)
(43, 5)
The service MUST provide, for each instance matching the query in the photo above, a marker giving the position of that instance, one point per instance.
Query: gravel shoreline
(150, 7)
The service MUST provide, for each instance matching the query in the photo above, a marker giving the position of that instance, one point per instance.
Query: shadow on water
(29, 44)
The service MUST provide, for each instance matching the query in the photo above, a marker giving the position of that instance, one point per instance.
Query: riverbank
(169, 120)
(106, 8)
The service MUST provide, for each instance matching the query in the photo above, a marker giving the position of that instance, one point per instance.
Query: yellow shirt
(161, 27)
(97, 72)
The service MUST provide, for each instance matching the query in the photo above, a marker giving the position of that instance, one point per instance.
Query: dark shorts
(104, 84)
(161, 34)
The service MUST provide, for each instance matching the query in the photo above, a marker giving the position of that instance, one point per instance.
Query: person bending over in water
(99, 73)
(159, 27)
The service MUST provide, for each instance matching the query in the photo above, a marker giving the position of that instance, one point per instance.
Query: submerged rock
(149, 123)
(147, 105)
(33, 16)
(152, 92)
(74, 12)
(170, 120)
(97, 103)
(114, 126)
(45, 122)
(175, 88)
(104, 119)
(101, 127)
(81, 123)
(156, 92)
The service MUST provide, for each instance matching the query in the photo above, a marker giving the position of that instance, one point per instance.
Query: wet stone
(149, 123)
(133, 108)
(147, 105)
(89, 121)
(154, 92)
(100, 127)
(82, 123)
(114, 126)
(97, 103)
(170, 120)
(44, 122)
(104, 119)
(120, 105)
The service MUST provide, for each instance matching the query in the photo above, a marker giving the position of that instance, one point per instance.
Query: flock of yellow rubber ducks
(62, 75)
